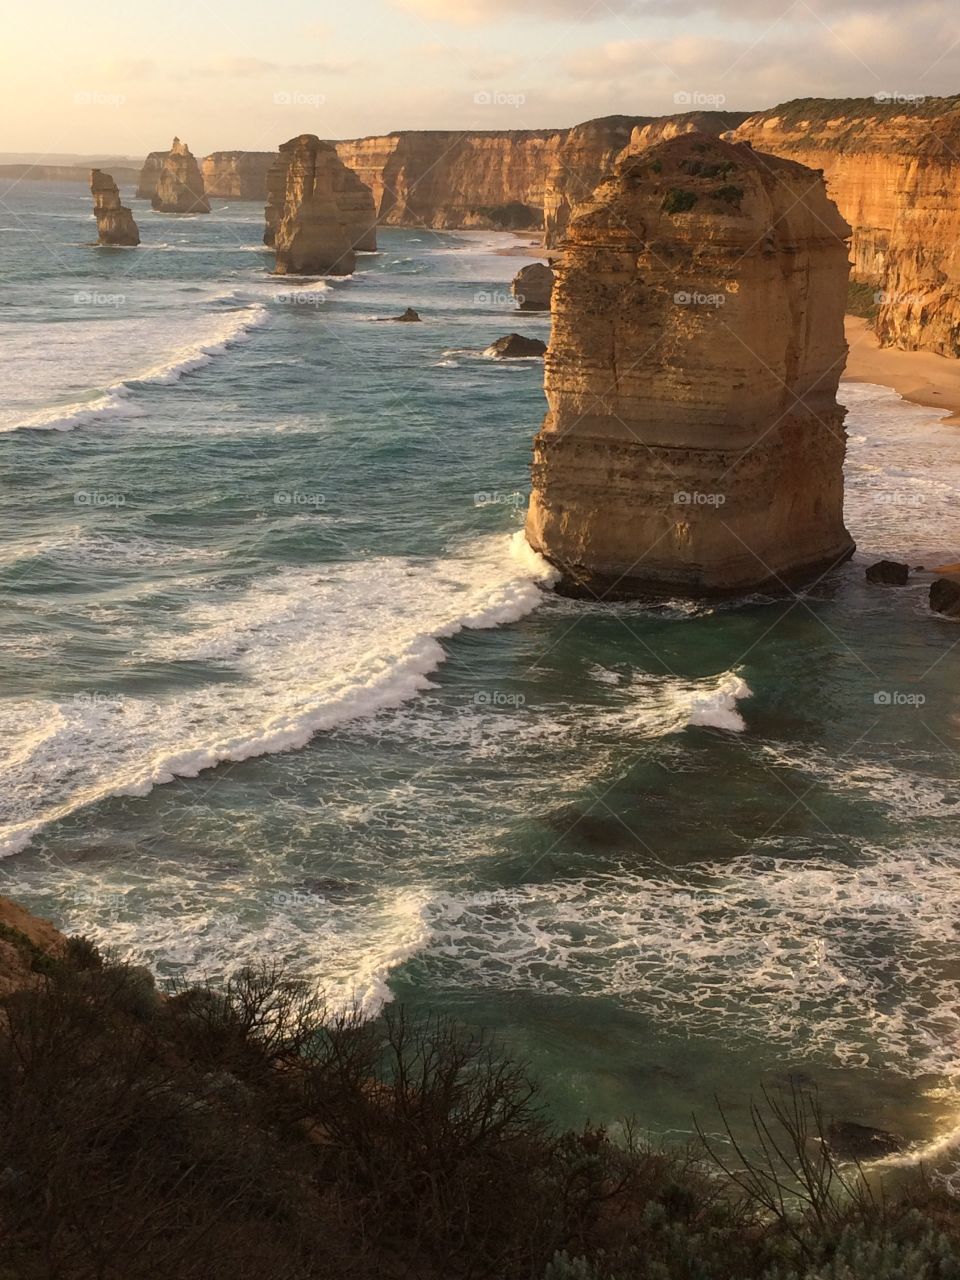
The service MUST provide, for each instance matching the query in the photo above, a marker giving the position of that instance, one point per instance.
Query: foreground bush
(247, 1132)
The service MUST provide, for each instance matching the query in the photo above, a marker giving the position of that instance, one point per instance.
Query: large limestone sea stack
(693, 441)
(180, 186)
(115, 222)
(318, 211)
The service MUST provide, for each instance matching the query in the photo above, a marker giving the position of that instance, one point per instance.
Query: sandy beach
(919, 376)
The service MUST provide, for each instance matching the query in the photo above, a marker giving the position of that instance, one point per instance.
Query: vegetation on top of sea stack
(250, 1131)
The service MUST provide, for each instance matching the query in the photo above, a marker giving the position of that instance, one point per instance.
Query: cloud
(485, 12)
(235, 67)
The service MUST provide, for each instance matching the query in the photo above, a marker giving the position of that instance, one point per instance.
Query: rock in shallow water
(888, 573)
(533, 286)
(516, 347)
(848, 1140)
(945, 597)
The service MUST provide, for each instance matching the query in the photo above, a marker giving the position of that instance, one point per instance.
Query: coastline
(918, 376)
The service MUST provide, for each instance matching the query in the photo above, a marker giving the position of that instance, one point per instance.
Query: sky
(122, 78)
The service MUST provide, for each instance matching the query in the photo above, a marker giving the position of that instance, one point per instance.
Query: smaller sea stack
(179, 187)
(115, 223)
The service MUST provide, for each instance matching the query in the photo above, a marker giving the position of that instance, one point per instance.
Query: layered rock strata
(237, 175)
(115, 222)
(693, 440)
(318, 212)
(179, 186)
(512, 179)
(893, 169)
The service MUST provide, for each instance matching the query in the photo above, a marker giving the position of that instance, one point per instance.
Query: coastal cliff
(318, 213)
(179, 187)
(693, 440)
(115, 223)
(587, 153)
(237, 175)
(893, 170)
(515, 180)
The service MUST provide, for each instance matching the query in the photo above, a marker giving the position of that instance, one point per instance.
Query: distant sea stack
(149, 175)
(179, 187)
(693, 441)
(893, 167)
(115, 224)
(318, 212)
(533, 287)
(237, 175)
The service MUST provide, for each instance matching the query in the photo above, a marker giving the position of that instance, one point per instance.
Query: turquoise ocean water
(280, 680)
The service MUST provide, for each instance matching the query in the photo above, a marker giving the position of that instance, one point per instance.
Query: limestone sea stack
(318, 212)
(179, 187)
(115, 224)
(693, 441)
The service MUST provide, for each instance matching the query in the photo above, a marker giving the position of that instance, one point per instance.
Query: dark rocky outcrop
(408, 317)
(115, 223)
(888, 573)
(516, 347)
(179, 187)
(693, 440)
(848, 1140)
(945, 597)
(533, 286)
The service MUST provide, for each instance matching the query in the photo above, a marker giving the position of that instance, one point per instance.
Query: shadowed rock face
(237, 175)
(179, 187)
(115, 224)
(693, 441)
(318, 212)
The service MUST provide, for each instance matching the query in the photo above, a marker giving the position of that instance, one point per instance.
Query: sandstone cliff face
(318, 212)
(115, 224)
(893, 170)
(693, 440)
(237, 175)
(179, 187)
(441, 178)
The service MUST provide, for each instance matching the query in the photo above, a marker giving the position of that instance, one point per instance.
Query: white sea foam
(849, 961)
(310, 649)
(116, 400)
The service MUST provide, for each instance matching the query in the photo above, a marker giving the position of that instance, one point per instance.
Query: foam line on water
(116, 400)
(310, 649)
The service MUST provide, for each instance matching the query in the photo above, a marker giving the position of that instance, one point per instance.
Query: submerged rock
(516, 347)
(533, 286)
(693, 441)
(115, 223)
(848, 1140)
(179, 187)
(409, 317)
(318, 211)
(945, 597)
(889, 573)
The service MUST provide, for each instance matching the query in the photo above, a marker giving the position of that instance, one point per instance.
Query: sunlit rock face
(115, 222)
(693, 441)
(318, 212)
(179, 186)
(893, 168)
